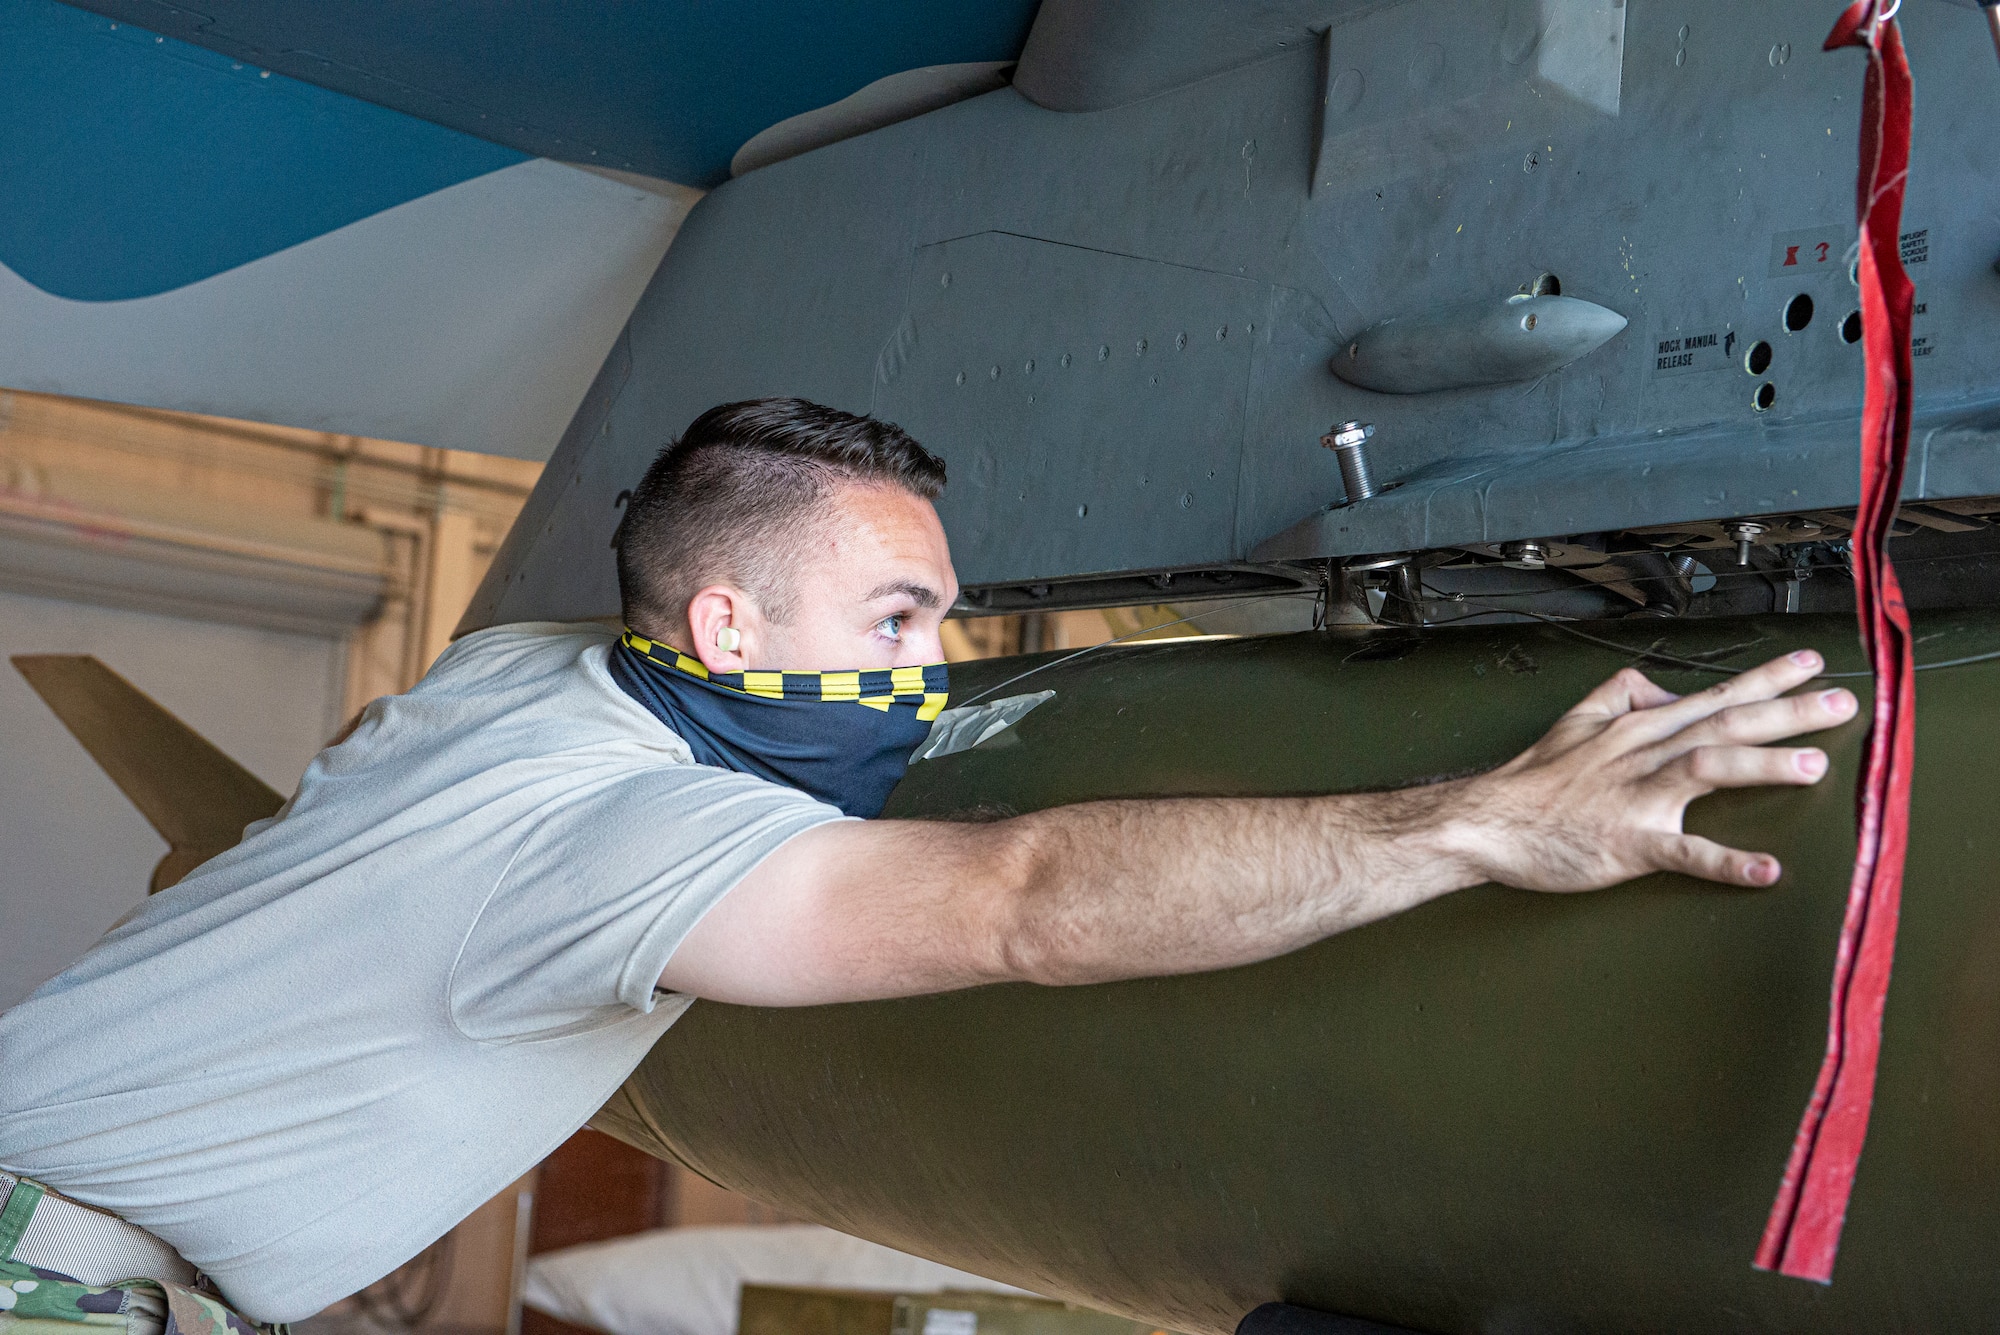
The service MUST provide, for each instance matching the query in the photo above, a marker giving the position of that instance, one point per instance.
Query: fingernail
(1806, 658)
(1812, 764)
(1765, 872)
(1836, 699)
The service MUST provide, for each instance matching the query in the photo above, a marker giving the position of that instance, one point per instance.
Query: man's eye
(891, 627)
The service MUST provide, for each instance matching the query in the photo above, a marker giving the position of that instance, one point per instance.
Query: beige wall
(375, 543)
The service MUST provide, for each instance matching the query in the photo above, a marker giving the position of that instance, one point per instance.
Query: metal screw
(1347, 441)
(1743, 533)
(1528, 555)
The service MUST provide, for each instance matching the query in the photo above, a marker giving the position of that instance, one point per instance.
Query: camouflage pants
(42, 1302)
(34, 1301)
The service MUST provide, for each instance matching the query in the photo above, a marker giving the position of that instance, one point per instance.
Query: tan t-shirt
(308, 1060)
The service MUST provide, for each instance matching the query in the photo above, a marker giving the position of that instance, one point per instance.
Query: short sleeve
(605, 887)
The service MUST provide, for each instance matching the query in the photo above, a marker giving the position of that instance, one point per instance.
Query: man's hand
(1599, 800)
(1104, 890)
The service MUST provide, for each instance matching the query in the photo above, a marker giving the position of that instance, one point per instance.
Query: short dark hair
(713, 502)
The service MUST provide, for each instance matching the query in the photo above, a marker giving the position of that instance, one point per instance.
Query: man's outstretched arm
(1124, 889)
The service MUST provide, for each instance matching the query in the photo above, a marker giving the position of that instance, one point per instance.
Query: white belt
(87, 1244)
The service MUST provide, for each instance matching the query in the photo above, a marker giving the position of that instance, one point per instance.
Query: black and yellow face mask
(843, 737)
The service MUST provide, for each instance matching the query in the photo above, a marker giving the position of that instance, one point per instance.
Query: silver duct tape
(966, 727)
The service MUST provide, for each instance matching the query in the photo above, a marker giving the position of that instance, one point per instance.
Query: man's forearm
(1127, 889)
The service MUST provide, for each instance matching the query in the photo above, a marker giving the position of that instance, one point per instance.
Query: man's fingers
(1692, 855)
(1707, 768)
(1625, 691)
(1766, 721)
(1763, 682)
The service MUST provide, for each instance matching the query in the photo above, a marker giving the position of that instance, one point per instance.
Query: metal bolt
(1528, 555)
(1743, 533)
(1348, 443)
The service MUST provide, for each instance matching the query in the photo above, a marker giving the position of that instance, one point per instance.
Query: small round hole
(1758, 359)
(1548, 285)
(1528, 322)
(1798, 313)
(1850, 328)
(1766, 396)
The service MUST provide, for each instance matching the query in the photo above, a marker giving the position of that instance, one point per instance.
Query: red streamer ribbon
(1803, 1234)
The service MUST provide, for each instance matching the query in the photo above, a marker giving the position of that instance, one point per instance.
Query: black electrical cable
(1726, 573)
(1688, 664)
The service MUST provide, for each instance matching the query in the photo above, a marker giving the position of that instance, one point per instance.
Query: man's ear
(725, 628)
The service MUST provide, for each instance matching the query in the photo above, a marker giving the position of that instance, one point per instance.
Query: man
(325, 1047)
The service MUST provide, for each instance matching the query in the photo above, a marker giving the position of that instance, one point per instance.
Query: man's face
(870, 587)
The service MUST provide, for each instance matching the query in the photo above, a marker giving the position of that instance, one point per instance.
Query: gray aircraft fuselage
(1114, 297)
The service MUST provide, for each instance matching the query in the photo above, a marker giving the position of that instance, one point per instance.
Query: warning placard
(1679, 352)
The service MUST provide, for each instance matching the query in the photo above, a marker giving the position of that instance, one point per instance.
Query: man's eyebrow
(920, 594)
